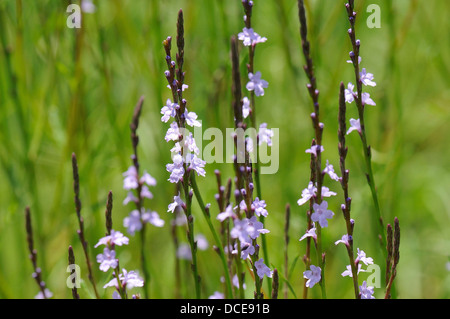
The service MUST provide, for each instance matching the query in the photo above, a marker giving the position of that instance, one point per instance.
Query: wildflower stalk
(84, 243)
(354, 55)
(108, 223)
(248, 6)
(37, 274)
(344, 183)
(394, 256)
(214, 233)
(309, 224)
(75, 294)
(175, 78)
(139, 202)
(318, 129)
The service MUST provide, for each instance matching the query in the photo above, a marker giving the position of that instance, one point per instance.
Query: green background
(65, 90)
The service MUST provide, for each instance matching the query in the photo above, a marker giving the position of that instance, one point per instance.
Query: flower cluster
(109, 260)
(138, 189)
(366, 79)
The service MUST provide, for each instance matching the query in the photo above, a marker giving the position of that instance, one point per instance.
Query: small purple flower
(367, 100)
(349, 273)
(366, 291)
(217, 295)
(152, 218)
(262, 269)
(131, 178)
(313, 149)
(330, 171)
(310, 233)
(107, 259)
(265, 135)
(133, 222)
(256, 83)
(362, 257)
(313, 275)
(349, 94)
(169, 111)
(173, 133)
(366, 78)
(259, 206)
(321, 214)
(176, 202)
(307, 193)
(246, 107)
(197, 164)
(116, 238)
(176, 169)
(250, 37)
(191, 118)
(228, 213)
(343, 240)
(355, 125)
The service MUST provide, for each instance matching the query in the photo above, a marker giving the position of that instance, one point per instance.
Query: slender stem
(344, 183)
(214, 233)
(84, 243)
(190, 234)
(318, 129)
(378, 221)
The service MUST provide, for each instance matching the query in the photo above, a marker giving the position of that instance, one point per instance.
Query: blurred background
(68, 90)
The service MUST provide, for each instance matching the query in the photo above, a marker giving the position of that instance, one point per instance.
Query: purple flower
(321, 214)
(217, 295)
(265, 135)
(246, 107)
(313, 275)
(152, 218)
(169, 111)
(355, 125)
(366, 292)
(131, 178)
(228, 213)
(343, 240)
(255, 227)
(330, 171)
(133, 222)
(310, 233)
(307, 193)
(191, 118)
(256, 83)
(349, 273)
(367, 100)
(362, 257)
(366, 78)
(116, 238)
(197, 164)
(128, 279)
(313, 149)
(176, 169)
(349, 94)
(250, 37)
(176, 202)
(262, 269)
(259, 206)
(107, 259)
(47, 292)
(173, 133)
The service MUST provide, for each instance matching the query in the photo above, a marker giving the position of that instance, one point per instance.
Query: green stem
(214, 233)
(191, 239)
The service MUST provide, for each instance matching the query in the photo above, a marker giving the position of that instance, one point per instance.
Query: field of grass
(68, 90)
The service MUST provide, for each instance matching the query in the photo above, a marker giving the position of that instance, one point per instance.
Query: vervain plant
(241, 211)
